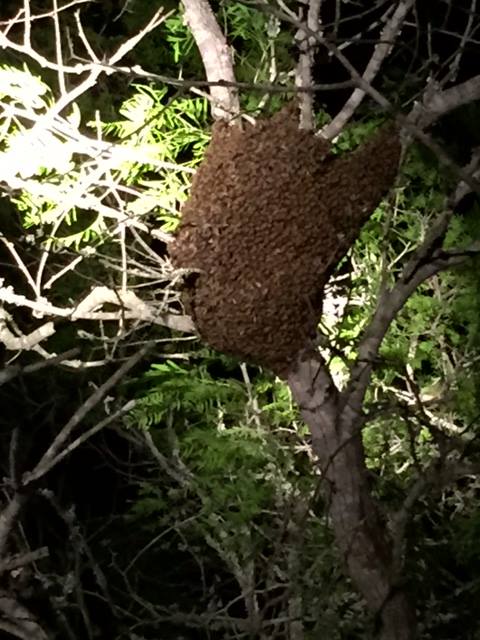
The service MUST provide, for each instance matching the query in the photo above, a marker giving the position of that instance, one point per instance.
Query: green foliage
(171, 138)
(153, 149)
(258, 39)
(247, 480)
(277, 404)
(237, 470)
(190, 393)
(353, 136)
(262, 52)
(228, 461)
(179, 38)
(169, 49)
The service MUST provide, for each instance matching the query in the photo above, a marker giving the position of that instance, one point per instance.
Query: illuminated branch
(215, 54)
(132, 308)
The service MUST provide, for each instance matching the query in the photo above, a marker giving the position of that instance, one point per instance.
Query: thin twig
(382, 49)
(126, 408)
(40, 16)
(27, 28)
(54, 449)
(13, 371)
(21, 264)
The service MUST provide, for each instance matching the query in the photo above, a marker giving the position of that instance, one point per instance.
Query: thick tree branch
(389, 304)
(132, 308)
(215, 54)
(437, 103)
(22, 342)
(303, 75)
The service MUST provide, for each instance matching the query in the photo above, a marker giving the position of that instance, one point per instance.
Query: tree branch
(19, 622)
(44, 468)
(215, 54)
(389, 304)
(386, 42)
(437, 103)
(23, 559)
(48, 458)
(303, 74)
(14, 370)
(359, 531)
(133, 308)
(8, 518)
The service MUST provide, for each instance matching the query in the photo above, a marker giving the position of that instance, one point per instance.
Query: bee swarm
(271, 213)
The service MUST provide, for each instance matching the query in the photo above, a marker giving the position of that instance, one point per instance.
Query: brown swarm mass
(270, 214)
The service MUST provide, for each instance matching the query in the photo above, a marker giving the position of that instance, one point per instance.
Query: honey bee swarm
(270, 214)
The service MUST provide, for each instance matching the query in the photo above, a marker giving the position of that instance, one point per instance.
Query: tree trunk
(360, 533)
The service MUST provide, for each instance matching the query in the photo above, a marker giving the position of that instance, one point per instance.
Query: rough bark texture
(360, 532)
(216, 56)
(271, 213)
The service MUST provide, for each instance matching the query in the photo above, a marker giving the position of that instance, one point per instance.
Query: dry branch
(18, 621)
(131, 307)
(23, 559)
(8, 519)
(386, 42)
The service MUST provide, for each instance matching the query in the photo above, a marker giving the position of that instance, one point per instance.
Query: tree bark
(216, 56)
(361, 534)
